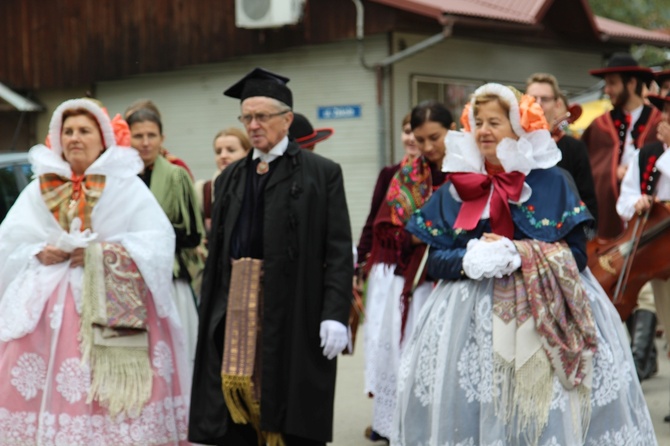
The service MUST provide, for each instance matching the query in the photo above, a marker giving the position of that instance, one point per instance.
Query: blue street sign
(339, 112)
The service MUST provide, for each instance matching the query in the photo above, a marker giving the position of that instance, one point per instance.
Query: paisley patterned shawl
(114, 337)
(543, 308)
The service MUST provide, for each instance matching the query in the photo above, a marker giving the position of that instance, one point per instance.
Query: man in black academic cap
(276, 289)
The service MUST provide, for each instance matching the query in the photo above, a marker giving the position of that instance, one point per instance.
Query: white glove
(68, 242)
(490, 259)
(334, 338)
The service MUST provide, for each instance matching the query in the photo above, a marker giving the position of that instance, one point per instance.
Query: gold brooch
(262, 167)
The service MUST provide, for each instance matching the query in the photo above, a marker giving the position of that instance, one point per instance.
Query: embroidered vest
(649, 174)
(622, 122)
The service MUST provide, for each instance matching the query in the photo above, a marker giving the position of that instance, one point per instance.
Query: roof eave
(420, 9)
(632, 40)
(17, 101)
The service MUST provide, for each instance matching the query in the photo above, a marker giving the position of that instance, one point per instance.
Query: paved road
(353, 410)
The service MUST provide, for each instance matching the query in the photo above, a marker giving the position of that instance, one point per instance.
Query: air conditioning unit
(267, 13)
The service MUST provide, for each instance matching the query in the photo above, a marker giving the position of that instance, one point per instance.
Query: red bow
(474, 190)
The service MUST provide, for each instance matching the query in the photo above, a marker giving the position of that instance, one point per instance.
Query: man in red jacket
(613, 137)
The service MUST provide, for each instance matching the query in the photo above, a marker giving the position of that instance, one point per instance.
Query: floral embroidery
(56, 316)
(162, 422)
(529, 212)
(29, 375)
(73, 380)
(409, 189)
(162, 361)
(476, 374)
(430, 227)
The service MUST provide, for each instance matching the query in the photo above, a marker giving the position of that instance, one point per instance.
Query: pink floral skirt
(44, 387)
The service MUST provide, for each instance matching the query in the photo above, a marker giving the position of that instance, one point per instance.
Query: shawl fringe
(525, 394)
(121, 374)
(240, 367)
(239, 395)
(238, 392)
(543, 327)
(387, 246)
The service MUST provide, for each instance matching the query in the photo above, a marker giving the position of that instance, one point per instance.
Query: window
(451, 92)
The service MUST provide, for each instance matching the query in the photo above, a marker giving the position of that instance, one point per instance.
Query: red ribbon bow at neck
(474, 190)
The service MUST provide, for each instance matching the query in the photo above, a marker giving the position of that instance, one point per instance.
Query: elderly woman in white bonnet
(90, 346)
(518, 344)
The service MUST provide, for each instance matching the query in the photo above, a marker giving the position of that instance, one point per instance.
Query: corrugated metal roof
(519, 11)
(526, 12)
(629, 32)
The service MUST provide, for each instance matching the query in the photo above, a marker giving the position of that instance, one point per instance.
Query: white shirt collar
(274, 153)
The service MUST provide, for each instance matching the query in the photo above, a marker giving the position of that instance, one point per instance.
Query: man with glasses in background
(544, 88)
(276, 290)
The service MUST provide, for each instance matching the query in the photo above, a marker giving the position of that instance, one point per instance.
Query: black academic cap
(260, 82)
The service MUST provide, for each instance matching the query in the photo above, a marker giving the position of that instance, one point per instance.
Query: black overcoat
(308, 270)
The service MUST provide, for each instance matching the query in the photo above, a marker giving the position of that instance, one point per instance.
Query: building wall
(193, 108)
(65, 43)
(484, 62)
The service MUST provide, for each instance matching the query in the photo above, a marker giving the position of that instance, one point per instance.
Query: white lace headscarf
(115, 160)
(533, 150)
(56, 124)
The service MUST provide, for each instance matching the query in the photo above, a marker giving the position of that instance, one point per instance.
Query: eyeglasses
(541, 99)
(260, 118)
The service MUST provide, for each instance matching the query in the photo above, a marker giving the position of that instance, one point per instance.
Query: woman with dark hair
(397, 286)
(91, 348)
(430, 121)
(173, 188)
(518, 344)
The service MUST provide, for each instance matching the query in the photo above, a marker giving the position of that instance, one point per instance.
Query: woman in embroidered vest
(393, 299)
(90, 346)
(517, 344)
(230, 145)
(173, 188)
